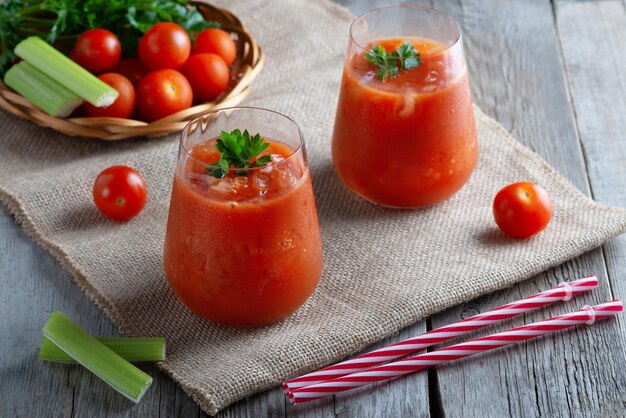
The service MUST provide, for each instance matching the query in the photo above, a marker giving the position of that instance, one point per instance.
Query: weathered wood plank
(403, 397)
(560, 375)
(518, 79)
(28, 279)
(358, 7)
(593, 40)
(173, 402)
(93, 398)
(268, 404)
(33, 285)
(322, 408)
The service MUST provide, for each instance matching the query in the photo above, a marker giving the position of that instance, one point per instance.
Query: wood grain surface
(553, 73)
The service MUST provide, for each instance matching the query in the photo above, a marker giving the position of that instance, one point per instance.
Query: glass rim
(198, 119)
(457, 40)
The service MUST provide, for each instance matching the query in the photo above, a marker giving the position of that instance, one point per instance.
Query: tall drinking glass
(407, 140)
(245, 249)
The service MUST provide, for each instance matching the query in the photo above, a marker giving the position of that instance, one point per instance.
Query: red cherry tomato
(216, 41)
(162, 93)
(97, 50)
(165, 45)
(123, 106)
(207, 74)
(132, 69)
(119, 192)
(522, 209)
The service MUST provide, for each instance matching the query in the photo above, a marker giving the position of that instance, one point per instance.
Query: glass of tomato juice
(405, 138)
(243, 249)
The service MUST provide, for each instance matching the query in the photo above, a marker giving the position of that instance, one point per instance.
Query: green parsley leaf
(389, 63)
(238, 149)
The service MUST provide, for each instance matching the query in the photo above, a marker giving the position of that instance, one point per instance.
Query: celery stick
(96, 357)
(41, 90)
(130, 349)
(65, 71)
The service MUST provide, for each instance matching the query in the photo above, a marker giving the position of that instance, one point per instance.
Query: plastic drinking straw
(564, 291)
(588, 314)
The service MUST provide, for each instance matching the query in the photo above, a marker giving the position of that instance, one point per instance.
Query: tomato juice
(245, 249)
(410, 140)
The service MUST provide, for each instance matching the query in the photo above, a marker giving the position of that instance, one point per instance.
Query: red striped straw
(587, 314)
(564, 291)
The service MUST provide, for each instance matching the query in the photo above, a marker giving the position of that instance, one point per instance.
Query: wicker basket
(245, 68)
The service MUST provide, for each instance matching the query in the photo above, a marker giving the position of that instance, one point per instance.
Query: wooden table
(554, 74)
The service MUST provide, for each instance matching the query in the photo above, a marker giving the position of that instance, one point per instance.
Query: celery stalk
(41, 90)
(65, 71)
(130, 349)
(96, 357)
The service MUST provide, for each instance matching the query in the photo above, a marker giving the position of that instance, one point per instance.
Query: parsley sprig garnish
(389, 63)
(238, 150)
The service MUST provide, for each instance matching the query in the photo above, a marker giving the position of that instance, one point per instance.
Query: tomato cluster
(169, 74)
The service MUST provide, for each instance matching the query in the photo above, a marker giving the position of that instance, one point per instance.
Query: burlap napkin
(384, 269)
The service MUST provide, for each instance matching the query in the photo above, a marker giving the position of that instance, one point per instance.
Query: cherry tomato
(165, 45)
(207, 74)
(216, 41)
(162, 93)
(119, 192)
(123, 106)
(522, 209)
(97, 50)
(132, 69)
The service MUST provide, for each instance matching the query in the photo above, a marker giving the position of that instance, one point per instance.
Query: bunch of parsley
(62, 21)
